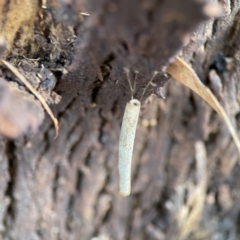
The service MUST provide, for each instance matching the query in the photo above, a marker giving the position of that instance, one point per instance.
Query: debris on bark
(19, 113)
(49, 85)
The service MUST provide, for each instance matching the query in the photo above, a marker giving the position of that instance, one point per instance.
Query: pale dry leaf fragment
(35, 92)
(183, 73)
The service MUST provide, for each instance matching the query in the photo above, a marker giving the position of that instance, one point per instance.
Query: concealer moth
(127, 136)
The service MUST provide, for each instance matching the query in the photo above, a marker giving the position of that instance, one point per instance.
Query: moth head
(135, 103)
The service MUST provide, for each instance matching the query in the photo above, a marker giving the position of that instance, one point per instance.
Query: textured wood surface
(185, 163)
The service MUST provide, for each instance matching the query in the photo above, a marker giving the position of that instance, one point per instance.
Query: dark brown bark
(185, 181)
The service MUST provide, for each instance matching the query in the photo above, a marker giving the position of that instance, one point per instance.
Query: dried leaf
(35, 92)
(183, 73)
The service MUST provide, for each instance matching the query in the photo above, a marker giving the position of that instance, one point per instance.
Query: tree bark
(185, 182)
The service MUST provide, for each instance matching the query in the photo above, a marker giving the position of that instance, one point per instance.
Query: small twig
(35, 92)
(31, 59)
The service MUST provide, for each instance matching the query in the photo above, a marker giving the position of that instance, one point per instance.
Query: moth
(127, 136)
(182, 72)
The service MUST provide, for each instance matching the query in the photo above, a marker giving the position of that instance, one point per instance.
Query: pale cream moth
(127, 136)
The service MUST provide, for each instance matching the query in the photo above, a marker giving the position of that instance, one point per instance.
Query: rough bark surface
(185, 181)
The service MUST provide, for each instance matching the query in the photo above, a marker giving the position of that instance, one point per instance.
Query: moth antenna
(144, 90)
(129, 81)
(135, 80)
